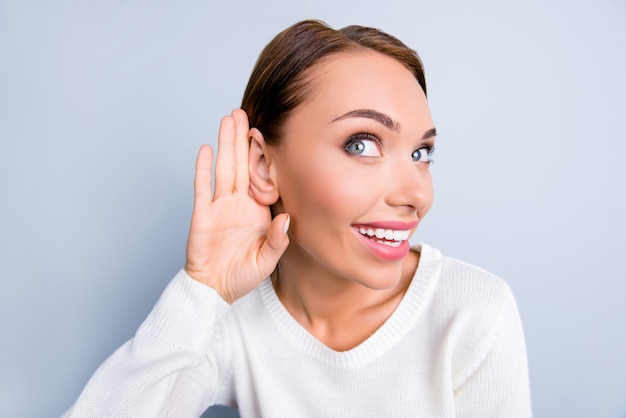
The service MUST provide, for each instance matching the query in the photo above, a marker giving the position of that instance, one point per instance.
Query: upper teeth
(388, 234)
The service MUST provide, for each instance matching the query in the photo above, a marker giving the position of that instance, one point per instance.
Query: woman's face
(352, 169)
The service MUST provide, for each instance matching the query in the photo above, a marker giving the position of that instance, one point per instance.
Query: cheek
(321, 191)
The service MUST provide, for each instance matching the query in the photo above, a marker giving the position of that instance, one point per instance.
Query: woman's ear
(263, 185)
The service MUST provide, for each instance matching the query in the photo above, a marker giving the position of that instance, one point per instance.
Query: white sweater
(454, 347)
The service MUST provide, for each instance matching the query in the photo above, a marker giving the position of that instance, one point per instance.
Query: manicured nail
(286, 226)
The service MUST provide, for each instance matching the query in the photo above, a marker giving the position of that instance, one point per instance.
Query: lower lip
(386, 252)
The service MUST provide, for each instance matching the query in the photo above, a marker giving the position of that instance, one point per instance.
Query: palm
(229, 244)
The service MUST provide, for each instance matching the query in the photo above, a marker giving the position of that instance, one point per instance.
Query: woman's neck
(338, 312)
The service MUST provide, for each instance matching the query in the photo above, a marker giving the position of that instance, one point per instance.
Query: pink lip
(396, 225)
(383, 251)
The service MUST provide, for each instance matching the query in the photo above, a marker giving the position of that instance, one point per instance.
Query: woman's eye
(364, 147)
(422, 155)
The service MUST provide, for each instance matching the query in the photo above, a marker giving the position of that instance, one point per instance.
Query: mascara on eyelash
(429, 149)
(362, 136)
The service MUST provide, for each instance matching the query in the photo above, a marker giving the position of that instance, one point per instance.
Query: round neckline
(382, 340)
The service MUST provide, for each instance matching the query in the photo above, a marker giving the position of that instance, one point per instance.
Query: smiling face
(352, 170)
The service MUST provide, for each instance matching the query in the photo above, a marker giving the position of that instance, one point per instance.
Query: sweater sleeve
(171, 367)
(494, 380)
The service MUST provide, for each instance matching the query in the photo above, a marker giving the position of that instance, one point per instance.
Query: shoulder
(469, 304)
(474, 325)
(463, 285)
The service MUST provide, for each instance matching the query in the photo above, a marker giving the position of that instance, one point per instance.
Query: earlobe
(263, 185)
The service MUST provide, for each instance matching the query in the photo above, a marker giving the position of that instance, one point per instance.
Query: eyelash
(364, 136)
(430, 150)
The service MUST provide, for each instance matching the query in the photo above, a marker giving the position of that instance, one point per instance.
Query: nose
(409, 186)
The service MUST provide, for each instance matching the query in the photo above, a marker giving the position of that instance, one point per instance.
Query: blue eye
(423, 154)
(364, 146)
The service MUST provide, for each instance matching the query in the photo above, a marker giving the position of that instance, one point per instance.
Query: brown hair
(278, 83)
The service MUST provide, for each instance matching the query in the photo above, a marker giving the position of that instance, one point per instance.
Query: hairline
(306, 79)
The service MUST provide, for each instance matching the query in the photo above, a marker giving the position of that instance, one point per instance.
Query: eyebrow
(430, 133)
(381, 118)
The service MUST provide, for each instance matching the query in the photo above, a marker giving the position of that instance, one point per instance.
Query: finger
(242, 145)
(274, 246)
(225, 169)
(202, 181)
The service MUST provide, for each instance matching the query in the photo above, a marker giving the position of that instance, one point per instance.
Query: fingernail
(286, 226)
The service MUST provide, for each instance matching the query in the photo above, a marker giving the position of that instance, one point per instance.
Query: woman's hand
(233, 242)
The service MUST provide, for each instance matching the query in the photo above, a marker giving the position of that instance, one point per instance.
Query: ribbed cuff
(185, 315)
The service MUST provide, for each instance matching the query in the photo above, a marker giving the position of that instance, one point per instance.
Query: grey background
(103, 105)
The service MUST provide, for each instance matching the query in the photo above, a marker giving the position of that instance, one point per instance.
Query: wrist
(206, 279)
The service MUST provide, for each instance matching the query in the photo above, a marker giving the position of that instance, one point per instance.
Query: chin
(384, 280)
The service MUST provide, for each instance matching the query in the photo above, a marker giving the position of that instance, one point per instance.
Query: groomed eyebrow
(381, 118)
(430, 133)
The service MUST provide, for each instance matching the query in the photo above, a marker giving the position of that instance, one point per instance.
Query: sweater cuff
(185, 315)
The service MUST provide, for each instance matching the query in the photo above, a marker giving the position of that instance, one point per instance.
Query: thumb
(274, 245)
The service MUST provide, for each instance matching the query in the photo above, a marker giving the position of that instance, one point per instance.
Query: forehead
(365, 80)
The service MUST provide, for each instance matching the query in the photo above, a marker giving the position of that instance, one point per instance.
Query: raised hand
(233, 242)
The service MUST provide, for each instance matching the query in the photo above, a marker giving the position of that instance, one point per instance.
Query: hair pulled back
(279, 83)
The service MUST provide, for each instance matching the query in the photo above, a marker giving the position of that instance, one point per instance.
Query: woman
(300, 295)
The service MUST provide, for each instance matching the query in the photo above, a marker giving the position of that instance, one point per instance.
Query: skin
(328, 277)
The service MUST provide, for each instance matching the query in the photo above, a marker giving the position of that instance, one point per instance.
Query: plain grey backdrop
(104, 104)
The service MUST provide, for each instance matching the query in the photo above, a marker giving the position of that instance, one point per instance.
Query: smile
(391, 237)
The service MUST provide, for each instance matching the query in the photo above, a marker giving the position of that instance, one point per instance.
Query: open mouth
(390, 237)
